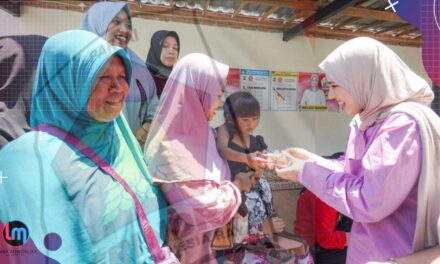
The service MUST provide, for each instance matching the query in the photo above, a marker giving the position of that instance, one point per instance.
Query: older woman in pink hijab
(182, 157)
(389, 180)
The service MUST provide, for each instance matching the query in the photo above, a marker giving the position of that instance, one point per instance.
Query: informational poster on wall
(257, 83)
(311, 96)
(283, 90)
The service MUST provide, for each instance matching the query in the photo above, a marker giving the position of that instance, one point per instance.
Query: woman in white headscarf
(112, 21)
(388, 182)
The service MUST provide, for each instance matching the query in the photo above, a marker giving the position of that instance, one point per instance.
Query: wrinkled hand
(243, 181)
(256, 161)
(142, 133)
(8, 49)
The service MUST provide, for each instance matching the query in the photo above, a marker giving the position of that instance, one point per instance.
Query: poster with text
(283, 91)
(257, 83)
(311, 96)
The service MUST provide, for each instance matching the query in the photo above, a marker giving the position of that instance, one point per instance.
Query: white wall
(321, 132)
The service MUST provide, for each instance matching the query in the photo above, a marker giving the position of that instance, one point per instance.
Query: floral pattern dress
(257, 247)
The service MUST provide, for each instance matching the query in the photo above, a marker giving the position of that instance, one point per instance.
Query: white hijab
(376, 77)
(382, 84)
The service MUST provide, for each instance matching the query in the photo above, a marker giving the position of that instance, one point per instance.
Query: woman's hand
(290, 173)
(142, 133)
(300, 153)
(256, 161)
(279, 160)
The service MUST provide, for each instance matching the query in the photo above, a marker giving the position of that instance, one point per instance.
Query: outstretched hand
(299, 153)
(256, 161)
(295, 164)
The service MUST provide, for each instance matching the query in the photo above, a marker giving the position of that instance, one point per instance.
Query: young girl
(236, 143)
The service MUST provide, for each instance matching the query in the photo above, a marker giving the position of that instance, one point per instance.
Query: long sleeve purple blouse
(375, 184)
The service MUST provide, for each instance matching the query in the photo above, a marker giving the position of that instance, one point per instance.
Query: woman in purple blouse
(388, 182)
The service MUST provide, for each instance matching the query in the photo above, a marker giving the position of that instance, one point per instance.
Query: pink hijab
(181, 144)
(376, 77)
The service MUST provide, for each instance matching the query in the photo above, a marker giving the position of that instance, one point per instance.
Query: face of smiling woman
(343, 97)
(109, 91)
(214, 107)
(119, 30)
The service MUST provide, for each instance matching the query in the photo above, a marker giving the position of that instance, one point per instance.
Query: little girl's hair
(239, 104)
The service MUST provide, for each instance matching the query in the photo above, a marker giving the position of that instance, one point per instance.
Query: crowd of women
(116, 156)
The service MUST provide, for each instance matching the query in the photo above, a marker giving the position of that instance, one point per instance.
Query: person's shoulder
(399, 119)
(260, 143)
(31, 144)
(28, 153)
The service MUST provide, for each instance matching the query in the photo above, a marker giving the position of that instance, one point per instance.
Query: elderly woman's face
(109, 92)
(169, 52)
(119, 30)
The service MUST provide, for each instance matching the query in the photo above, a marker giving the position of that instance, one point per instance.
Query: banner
(257, 83)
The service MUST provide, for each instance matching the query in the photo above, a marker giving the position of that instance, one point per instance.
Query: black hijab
(153, 62)
(16, 90)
